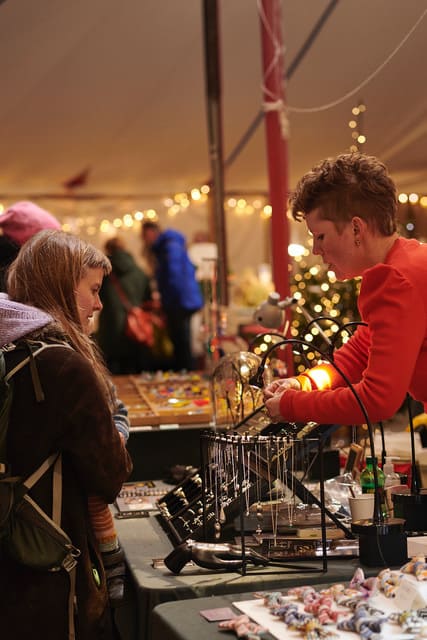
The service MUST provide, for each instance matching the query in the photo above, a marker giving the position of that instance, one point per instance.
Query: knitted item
(18, 320)
(121, 420)
(102, 524)
(111, 552)
(23, 220)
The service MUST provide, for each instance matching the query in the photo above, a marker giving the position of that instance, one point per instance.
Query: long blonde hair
(46, 274)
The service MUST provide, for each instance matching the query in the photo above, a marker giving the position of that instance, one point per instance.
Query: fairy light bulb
(320, 377)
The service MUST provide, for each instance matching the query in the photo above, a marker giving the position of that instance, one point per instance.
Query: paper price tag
(215, 615)
(410, 594)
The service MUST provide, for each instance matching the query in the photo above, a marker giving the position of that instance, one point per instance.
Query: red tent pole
(277, 144)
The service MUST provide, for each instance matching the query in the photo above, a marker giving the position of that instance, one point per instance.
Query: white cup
(362, 507)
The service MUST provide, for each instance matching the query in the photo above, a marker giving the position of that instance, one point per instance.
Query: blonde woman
(53, 291)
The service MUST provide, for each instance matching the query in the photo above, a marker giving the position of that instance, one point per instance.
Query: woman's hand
(279, 386)
(272, 394)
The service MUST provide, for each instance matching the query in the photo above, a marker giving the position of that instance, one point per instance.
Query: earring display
(202, 504)
(250, 490)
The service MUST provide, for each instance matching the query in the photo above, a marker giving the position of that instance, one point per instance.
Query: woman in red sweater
(349, 205)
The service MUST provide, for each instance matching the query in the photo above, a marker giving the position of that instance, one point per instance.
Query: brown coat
(76, 420)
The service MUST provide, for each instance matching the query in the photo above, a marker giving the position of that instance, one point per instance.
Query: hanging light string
(356, 124)
(351, 93)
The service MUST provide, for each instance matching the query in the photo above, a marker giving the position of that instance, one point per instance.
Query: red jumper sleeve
(384, 355)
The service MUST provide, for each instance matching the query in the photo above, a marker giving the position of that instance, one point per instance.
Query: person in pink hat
(18, 223)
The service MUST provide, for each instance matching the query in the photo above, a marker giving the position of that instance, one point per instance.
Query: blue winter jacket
(175, 273)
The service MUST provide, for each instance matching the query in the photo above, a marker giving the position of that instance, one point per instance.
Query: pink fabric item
(23, 220)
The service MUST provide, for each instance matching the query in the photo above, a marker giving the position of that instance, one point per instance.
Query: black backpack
(28, 535)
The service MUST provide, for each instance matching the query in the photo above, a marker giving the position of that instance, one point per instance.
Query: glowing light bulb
(295, 250)
(320, 377)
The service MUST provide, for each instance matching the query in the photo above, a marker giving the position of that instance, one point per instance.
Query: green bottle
(367, 481)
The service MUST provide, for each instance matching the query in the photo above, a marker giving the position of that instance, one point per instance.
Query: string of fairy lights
(180, 203)
(356, 125)
(173, 206)
(235, 204)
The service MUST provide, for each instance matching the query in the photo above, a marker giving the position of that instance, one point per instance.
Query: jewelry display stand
(248, 470)
(244, 470)
(259, 423)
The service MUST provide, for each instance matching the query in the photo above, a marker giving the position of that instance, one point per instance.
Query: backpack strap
(35, 477)
(57, 490)
(54, 459)
(30, 359)
(70, 564)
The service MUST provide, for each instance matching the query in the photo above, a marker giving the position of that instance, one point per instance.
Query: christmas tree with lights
(331, 304)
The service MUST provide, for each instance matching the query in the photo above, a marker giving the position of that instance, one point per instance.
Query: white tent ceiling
(118, 87)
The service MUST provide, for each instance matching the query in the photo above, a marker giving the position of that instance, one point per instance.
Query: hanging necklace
(259, 512)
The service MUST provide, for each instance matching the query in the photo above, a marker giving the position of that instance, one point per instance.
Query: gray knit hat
(17, 320)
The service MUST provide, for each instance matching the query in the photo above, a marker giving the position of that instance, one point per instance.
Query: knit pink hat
(24, 219)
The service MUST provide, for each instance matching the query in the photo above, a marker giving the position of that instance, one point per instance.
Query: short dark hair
(351, 184)
(149, 224)
(113, 244)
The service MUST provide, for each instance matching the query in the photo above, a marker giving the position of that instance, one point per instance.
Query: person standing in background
(177, 285)
(18, 223)
(122, 355)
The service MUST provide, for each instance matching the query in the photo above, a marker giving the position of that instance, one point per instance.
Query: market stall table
(144, 541)
(183, 621)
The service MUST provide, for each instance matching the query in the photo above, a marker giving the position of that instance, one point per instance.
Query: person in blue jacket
(177, 285)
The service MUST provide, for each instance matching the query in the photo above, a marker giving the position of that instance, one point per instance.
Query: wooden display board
(165, 398)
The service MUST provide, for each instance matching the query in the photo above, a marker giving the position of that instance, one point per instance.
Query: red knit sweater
(384, 360)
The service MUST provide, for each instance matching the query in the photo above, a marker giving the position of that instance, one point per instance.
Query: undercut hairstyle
(351, 184)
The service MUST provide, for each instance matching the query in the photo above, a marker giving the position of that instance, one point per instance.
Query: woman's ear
(359, 226)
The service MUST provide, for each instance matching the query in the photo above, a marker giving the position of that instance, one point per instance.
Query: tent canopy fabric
(113, 93)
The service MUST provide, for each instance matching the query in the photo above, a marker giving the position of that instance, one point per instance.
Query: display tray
(281, 547)
(140, 496)
(165, 399)
(259, 613)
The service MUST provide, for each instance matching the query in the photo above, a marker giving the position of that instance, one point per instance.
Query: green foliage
(332, 305)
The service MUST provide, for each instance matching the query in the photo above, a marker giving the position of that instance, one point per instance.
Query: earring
(357, 242)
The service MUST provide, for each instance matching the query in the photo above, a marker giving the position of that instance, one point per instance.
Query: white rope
(365, 82)
(279, 106)
(278, 49)
(276, 103)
